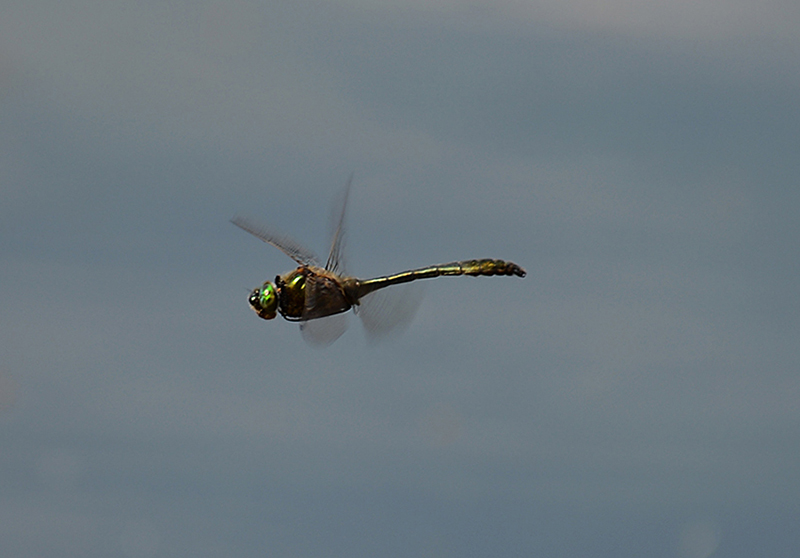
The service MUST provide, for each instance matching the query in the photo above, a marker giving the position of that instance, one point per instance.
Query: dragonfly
(317, 295)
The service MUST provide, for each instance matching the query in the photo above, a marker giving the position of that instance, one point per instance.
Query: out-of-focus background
(635, 395)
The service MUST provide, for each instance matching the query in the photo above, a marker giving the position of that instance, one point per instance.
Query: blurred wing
(389, 311)
(282, 243)
(324, 331)
(335, 261)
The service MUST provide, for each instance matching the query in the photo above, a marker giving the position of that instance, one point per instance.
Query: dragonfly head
(264, 300)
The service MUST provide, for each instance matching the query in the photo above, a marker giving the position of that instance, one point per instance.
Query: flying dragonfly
(317, 295)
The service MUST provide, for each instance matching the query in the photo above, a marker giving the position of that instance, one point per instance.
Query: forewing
(324, 331)
(283, 243)
(389, 311)
(335, 261)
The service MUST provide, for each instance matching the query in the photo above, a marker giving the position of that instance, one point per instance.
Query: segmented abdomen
(480, 267)
(474, 268)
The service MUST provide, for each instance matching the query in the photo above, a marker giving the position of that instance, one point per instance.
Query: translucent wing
(389, 311)
(324, 331)
(335, 261)
(325, 318)
(285, 244)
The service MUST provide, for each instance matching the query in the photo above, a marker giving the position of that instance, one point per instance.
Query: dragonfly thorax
(264, 300)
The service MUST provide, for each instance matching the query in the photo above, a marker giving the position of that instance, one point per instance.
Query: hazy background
(635, 395)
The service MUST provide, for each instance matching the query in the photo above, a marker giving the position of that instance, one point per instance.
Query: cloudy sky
(635, 395)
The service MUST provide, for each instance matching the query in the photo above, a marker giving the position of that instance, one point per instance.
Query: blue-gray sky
(635, 395)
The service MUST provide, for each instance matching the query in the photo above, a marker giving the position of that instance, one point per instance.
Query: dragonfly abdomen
(486, 267)
(482, 267)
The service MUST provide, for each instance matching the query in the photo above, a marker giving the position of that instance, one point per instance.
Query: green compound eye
(264, 301)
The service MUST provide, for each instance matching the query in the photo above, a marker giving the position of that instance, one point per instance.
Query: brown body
(311, 292)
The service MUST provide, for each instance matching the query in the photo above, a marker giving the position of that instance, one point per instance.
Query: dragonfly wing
(285, 244)
(335, 261)
(389, 311)
(324, 331)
